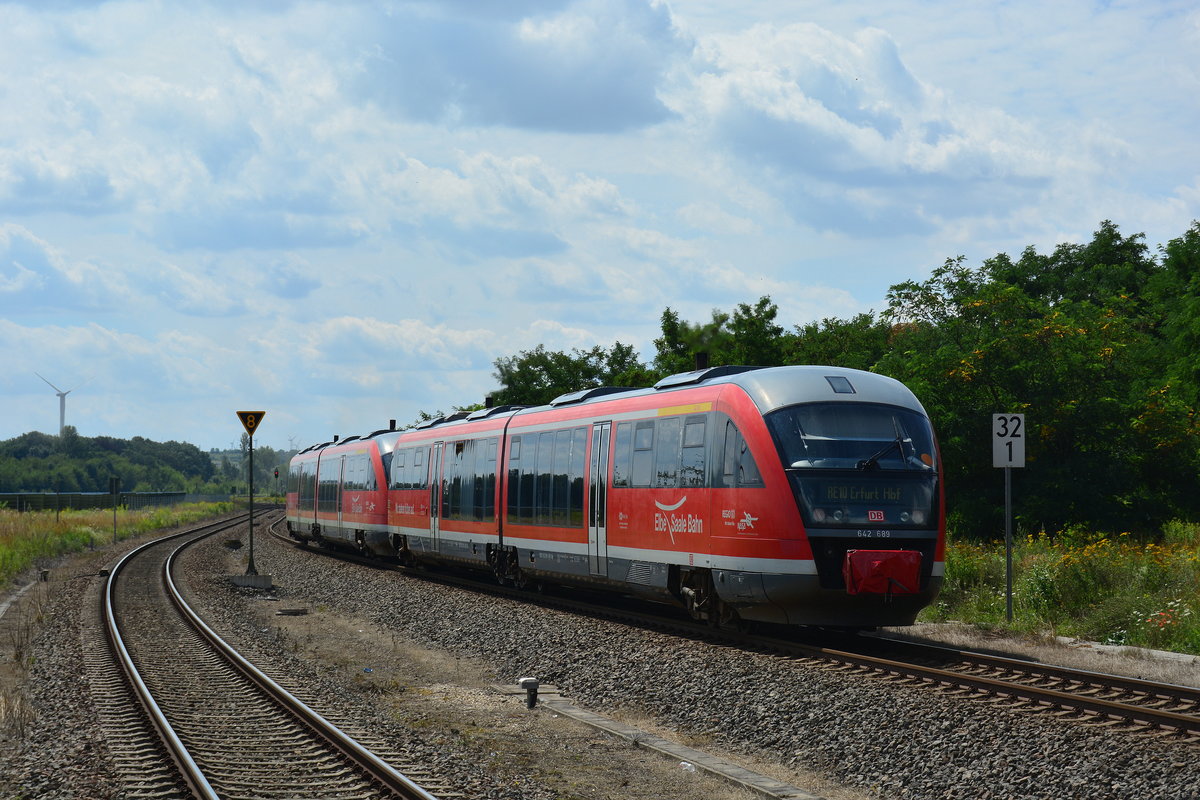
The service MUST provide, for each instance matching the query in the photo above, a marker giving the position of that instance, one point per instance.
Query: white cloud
(590, 66)
(365, 205)
(35, 277)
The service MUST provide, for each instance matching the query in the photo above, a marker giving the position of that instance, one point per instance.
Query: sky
(342, 213)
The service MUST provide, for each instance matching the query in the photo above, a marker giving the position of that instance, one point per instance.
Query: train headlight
(818, 515)
(838, 515)
(918, 516)
(905, 516)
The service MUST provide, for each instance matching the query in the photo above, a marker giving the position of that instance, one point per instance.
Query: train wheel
(698, 594)
(704, 604)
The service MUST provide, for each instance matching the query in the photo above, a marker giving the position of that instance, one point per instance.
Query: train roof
(771, 388)
(778, 387)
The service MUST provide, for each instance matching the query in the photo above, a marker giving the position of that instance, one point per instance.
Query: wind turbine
(62, 403)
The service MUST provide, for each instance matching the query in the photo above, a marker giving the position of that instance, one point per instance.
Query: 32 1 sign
(1008, 440)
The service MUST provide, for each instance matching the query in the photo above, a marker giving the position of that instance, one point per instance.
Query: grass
(1110, 589)
(26, 538)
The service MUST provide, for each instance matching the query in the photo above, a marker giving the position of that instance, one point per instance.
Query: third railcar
(798, 495)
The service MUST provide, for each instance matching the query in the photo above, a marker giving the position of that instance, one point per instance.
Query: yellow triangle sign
(250, 420)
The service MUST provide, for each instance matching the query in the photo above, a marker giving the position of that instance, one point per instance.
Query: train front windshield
(858, 465)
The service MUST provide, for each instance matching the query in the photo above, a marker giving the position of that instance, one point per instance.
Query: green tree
(1178, 292)
(857, 343)
(749, 336)
(537, 376)
(681, 342)
(970, 344)
(755, 338)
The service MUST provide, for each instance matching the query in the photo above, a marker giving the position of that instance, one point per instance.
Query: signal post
(250, 421)
(1008, 451)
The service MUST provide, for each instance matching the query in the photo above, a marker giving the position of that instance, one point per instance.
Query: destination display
(846, 500)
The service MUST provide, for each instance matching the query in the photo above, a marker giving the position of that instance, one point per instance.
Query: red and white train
(798, 495)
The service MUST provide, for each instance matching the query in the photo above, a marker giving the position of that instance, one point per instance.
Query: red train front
(797, 495)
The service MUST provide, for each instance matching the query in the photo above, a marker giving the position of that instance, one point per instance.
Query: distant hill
(72, 463)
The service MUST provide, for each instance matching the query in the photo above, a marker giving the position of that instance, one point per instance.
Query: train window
(862, 436)
(419, 472)
(748, 474)
(738, 466)
(667, 451)
(480, 491)
(329, 475)
(643, 454)
(622, 454)
(561, 504)
(459, 480)
(546, 486)
(386, 458)
(691, 467)
(400, 469)
(514, 479)
(579, 456)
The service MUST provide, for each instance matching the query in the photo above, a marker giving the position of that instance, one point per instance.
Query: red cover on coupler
(882, 571)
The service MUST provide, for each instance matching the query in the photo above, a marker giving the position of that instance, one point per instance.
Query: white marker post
(1008, 451)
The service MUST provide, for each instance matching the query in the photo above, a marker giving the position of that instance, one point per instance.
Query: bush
(1083, 584)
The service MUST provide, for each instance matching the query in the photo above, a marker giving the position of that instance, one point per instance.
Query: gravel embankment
(881, 738)
(891, 740)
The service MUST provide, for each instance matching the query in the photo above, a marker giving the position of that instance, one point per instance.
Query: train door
(598, 500)
(435, 496)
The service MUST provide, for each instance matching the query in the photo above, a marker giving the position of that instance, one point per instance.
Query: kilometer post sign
(1008, 440)
(1008, 451)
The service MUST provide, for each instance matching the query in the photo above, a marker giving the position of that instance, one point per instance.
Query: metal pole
(250, 570)
(1008, 541)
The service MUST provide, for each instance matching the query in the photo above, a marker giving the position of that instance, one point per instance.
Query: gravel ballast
(874, 737)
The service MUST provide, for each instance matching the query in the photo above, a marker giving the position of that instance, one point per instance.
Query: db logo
(875, 516)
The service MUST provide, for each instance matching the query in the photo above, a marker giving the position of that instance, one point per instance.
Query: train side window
(691, 467)
(484, 505)
(528, 480)
(748, 474)
(560, 514)
(399, 471)
(460, 474)
(579, 456)
(514, 480)
(420, 474)
(386, 472)
(667, 452)
(739, 468)
(622, 454)
(643, 454)
(543, 499)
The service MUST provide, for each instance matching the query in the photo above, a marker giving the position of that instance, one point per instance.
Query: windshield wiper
(873, 461)
(898, 443)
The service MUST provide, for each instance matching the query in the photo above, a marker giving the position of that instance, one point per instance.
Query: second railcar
(337, 493)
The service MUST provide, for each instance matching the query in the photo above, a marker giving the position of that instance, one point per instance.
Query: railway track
(1088, 697)
(229, 729)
